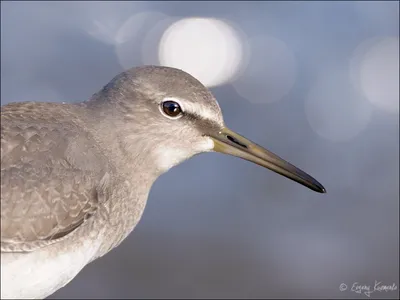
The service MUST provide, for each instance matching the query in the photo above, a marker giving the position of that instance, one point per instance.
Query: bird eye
(171, 109)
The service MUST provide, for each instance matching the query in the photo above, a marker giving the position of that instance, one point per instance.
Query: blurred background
(315, 82)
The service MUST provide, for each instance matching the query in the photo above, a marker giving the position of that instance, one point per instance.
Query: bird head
(173, 116)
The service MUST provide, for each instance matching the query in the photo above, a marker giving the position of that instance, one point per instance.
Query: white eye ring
(171, 108)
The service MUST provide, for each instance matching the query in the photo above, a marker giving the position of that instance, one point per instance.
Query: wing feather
(50, 170)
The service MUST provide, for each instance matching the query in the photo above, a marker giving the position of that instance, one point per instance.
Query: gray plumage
(72, 172)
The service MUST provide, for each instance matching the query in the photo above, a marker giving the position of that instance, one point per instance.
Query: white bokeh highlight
(208, 49)
(357, 58)
(379, 74)
(335, 109)
(270, 70)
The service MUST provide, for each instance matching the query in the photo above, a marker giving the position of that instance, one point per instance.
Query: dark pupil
(171, 108)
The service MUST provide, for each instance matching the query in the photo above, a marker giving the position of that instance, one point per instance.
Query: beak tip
(320, 189)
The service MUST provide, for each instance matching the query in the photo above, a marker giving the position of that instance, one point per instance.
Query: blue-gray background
(218, 226)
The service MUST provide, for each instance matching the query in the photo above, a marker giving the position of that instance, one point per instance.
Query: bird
(75, 177)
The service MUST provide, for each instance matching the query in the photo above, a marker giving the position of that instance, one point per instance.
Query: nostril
(233, 140)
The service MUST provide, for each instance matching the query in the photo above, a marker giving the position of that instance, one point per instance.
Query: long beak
(229, 142)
